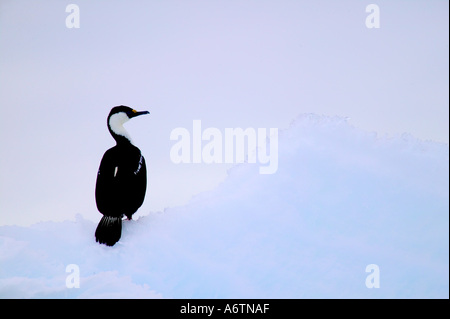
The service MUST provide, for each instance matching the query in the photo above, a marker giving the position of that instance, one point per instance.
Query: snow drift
(341, 199)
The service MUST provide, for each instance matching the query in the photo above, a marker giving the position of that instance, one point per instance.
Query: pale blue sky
(231, 63)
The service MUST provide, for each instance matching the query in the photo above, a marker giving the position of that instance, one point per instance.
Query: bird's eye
(134, 111)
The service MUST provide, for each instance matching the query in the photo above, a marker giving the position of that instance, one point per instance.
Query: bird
(121, 178)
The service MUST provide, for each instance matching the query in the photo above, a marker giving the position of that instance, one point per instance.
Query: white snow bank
(341, 199)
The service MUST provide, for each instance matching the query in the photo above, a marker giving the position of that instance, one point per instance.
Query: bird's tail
(109, 230)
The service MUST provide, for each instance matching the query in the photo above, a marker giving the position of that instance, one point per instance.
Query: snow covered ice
(341, 199)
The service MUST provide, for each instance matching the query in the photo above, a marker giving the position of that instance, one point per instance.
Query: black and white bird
(121, 178)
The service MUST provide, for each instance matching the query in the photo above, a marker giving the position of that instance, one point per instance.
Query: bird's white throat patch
(116, 122)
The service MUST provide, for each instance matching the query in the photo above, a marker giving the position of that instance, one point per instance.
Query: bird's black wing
(136, 183)
(107, 191)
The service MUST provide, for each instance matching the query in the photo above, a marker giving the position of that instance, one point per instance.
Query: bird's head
(125, 113)
(117, 117)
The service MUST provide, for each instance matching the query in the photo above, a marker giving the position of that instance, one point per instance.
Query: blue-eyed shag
(121, 178)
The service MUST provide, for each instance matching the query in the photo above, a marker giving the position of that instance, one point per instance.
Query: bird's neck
(122, 140)
(118, 132)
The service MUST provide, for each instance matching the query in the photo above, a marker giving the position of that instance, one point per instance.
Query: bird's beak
(137, 113)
